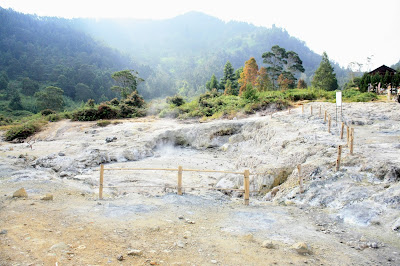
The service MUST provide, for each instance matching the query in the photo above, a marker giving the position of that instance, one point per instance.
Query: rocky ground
(345, 217)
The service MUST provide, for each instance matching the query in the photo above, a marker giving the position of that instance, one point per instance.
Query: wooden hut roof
(382, 70)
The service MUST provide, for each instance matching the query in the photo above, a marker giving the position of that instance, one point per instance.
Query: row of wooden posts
(180, 187)
(246, 173)
(350, 141)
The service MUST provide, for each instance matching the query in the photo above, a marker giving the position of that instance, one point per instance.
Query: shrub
(106, 112)
(176, 100)
(53, 118)
(46, 112)
(90, 103)
(85, 115)
(250, 93)
(103, 123)
(23, 131)
(135, 100)
(126, 111)
(114, 102)
(4, 120)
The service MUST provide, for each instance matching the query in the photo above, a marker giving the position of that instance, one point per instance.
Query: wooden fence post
(289, 110)
(300, 178)
(329, 124)
(311, 110)
(179, 180)
(325, 116)
(246, 187)
(351, 140)
(341, 131)
(302, 108)
(339, 155)
(101, 181)
(348, 136)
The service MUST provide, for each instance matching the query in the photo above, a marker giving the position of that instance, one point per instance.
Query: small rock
(120, 258)
(187, 234)
(396, 225)
(20, 193)
(153, 263)
(180, 217)
(110, 139)
(48, 197)
(214, 261)
(180, 244)
(135, 252)
(59, 246)
(61, 154)
(3, 232)
(372, 244)
(268, 244)
(302, 248)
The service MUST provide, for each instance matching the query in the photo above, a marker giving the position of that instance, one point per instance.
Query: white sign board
(338, 98)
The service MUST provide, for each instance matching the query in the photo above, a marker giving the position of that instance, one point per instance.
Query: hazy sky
(348, 30)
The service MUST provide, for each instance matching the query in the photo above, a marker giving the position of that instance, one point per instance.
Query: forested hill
(188, 49)
(177, 55)
(49, 51)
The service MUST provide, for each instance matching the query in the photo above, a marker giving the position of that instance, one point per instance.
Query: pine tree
(249, 74)
(212, 83)
(324, 77)
(229, 74)
(263, 81)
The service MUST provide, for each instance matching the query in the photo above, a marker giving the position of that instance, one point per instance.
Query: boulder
(302, 248)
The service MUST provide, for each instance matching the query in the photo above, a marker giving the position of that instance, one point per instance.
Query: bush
(85, 115)
(134, 100)
(5, 121)
(90, 103)
(103, 123)
(23, 131)
(46, 112)
(176, 100)
(53, 118)
(105, 112)
(114, 102)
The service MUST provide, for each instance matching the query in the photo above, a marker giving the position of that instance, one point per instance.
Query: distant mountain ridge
(191, 47)
(174, 56)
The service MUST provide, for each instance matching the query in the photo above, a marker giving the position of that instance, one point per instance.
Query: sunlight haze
(347, 30)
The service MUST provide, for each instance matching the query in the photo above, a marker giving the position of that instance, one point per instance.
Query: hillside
(188, 49)
(49, 51)
(177, 55)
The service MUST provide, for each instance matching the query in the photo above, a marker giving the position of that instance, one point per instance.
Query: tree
(263, 81)
(285, 82)
(249, 74)
(212, 83)
(229, 74)
(3, 81)
(29, 87)
(276, 59)
(229, 90)
(83, 92)
(127, 82)
(387, 79)
(324, 77)
(15, 102)
(301, 84)
(50, 98)
(282, 62)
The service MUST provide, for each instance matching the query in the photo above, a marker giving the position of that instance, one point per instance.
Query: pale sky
(348, 30)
